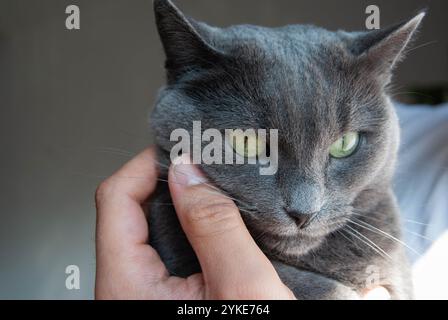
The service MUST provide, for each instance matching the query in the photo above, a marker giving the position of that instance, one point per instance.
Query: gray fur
(313, 85)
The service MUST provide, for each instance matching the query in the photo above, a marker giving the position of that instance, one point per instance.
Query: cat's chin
(283, 240)
(284, 247)
(276, 237)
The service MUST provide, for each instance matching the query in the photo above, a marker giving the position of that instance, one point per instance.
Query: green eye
(345, 146)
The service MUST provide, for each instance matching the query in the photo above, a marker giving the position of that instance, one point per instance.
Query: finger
(122, 253)
(120, 219)
(379, 293)
(137, 178)
(228, 255)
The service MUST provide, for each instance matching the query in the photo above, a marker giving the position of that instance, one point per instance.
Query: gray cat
(328, 218)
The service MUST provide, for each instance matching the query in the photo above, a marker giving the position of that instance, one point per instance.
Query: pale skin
(233, 267)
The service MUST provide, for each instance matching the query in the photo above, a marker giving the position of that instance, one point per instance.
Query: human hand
(128, 268)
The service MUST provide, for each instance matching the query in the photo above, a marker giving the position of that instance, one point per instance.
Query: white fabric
(421, 186)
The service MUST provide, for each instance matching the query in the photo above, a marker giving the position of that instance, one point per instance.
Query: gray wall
(74, 104)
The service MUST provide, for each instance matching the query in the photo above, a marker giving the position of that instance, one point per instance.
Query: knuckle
(209, 218)
(103, 190)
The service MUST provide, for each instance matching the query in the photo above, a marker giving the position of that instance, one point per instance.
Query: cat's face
(314, 86)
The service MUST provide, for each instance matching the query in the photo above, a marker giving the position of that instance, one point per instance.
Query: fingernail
(186, 173)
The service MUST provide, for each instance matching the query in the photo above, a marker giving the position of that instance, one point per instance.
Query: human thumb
(231, 262)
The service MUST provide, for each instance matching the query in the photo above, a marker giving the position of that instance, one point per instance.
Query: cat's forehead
(295, 69)
(293, 44)
(301, 57)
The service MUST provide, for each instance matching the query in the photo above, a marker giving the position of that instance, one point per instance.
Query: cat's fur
(313, 85)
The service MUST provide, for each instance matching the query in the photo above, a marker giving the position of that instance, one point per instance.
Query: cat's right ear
(185, 41)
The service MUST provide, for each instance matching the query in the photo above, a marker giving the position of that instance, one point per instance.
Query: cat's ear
(380, 50)
(185, 41)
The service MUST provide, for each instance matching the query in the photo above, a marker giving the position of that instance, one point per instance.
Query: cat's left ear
(380, 50)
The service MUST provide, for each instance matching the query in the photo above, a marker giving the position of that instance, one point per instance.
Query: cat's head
(324, 91)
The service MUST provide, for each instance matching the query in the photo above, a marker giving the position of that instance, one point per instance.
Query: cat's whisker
(116, 154)
(416, 222)
(108, 176)
(421, 46)
(172, 204)
(364, 214)
(116, 151)
(418, 235)
(247, 210)
(393, 87)
(340, 231)
(403, 228)
(371, 228)
(183, 184)
(222, 192)
(217, 191)
(368, 242)
(412, 93)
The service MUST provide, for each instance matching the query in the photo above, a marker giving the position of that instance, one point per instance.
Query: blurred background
(74, 107)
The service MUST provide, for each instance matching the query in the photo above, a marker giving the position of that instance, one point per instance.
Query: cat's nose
(302, 219)
(304, 201)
